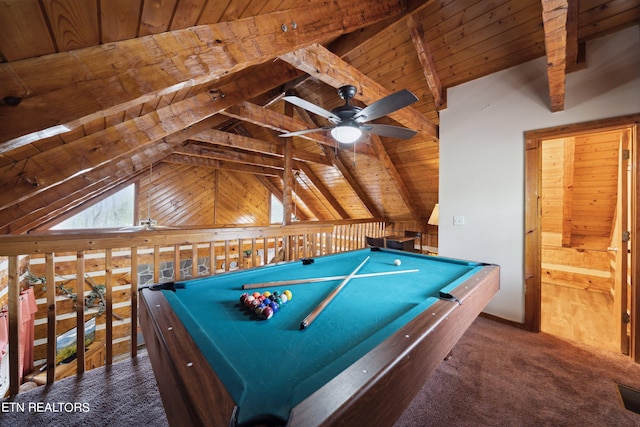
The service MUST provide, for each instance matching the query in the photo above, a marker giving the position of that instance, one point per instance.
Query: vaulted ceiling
(93, 92)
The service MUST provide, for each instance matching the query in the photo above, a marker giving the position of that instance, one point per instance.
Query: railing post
(50, 280)
(80, 312)
(194, 261)
(14, 326)
(108, 284)
(134, 301)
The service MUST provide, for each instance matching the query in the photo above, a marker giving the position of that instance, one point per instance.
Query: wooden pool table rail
(375, 390)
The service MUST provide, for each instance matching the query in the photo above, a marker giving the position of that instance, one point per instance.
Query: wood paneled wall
(579, 192)
(182, 195)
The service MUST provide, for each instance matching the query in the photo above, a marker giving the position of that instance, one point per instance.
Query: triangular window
(116, 210)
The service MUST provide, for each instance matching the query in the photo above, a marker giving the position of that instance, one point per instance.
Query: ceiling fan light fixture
(346, 134)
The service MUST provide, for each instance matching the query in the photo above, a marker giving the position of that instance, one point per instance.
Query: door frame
(533, 214)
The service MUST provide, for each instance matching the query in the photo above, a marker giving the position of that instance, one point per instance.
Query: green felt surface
(269, 366)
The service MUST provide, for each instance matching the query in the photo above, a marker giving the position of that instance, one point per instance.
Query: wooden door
(624, 269)
(619, 250)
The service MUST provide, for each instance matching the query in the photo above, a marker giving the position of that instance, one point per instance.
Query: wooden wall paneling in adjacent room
(242, 199)
(179, 195)
(571, 193)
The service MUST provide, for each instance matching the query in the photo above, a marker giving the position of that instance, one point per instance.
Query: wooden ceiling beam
(234, 140)
(101, 81)
(230, 156)
(560, 21)
(309, 199)
(287, 177)
(319, 62)
(326, 193)
(183, 159)
(426, 60)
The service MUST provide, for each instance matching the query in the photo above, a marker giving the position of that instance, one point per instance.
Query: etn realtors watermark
(41, 407)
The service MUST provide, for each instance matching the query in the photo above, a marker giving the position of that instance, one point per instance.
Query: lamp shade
(433, 219)
(346, 134)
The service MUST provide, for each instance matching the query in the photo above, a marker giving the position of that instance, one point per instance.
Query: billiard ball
(267, 313)
(397, 261)
(288, 294)
(274, 306)
(248, 299)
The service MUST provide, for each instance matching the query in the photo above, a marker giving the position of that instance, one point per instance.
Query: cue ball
(397, 262)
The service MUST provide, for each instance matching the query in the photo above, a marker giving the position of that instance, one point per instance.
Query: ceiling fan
(350, 121)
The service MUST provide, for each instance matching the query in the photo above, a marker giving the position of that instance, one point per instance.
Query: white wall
(482, 151)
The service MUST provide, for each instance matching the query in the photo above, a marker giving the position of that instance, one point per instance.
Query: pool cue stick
(306, 322)
(320, 279)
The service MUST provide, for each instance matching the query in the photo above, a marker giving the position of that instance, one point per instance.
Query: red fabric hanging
(28, 310)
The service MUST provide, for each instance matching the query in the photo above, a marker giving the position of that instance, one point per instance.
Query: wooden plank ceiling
(96, 91)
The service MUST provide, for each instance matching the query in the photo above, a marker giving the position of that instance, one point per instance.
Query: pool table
(360, 362)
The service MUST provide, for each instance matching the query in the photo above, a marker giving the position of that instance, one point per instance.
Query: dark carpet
(498, 376)
(123, 394)
(502, 376)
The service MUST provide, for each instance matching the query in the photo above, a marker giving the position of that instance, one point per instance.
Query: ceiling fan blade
(313, 108)
(386, 105)
(302, 132)
(389, 131)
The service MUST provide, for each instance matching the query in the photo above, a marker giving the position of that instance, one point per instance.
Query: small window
(116, 210)
(276, 210)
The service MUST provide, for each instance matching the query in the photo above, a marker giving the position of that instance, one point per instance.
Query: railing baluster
(265, 251)
(108, 283)
(80, 312)
(212, 257)
(14, 323)
(176, 263)
(134, 301)
(156, 262)
(226, 255)
(194, 261)
(254, 258)
(50, 280)
(241, 254)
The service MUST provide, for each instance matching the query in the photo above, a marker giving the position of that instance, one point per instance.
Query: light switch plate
(458, 220)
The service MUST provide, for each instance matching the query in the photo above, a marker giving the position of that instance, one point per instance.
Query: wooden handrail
(83, 241)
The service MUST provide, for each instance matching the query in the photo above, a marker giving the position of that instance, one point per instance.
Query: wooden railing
(69, 269)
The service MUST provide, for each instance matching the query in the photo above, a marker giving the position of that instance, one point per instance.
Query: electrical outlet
(458, 220)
